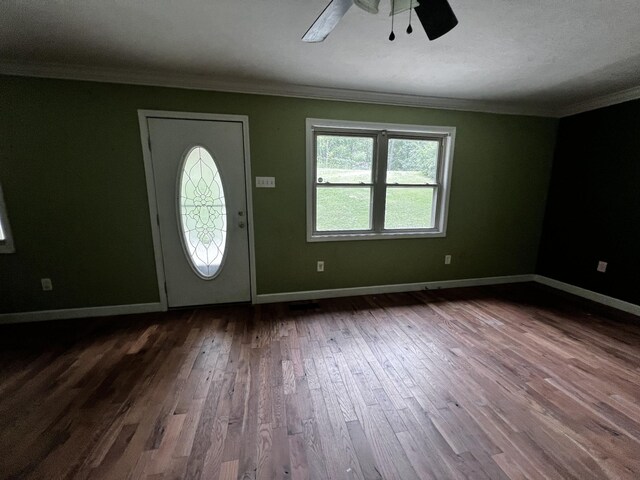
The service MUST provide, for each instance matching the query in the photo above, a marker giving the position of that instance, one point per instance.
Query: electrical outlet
(447, 259)
(602, 266)
(47, 285)
(265, 182)
(320, 266)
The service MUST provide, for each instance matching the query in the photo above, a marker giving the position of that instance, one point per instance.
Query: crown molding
(201, 82)
(600, 102)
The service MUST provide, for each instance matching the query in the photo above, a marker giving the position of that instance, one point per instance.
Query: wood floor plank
(229, 470)
(363, 451)
(298, 458)
(313, 449)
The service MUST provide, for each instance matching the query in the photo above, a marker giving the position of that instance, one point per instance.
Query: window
(6, 242)
(371, 181)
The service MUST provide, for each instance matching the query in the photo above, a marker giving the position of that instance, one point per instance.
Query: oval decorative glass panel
(203, 213)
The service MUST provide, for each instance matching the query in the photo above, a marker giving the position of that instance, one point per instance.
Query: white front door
(200, 189)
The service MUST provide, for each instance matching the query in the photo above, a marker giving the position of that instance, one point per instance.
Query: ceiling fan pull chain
(410, 28)
(392, 36)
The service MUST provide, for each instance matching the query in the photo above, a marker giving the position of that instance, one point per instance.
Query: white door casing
(167, 139)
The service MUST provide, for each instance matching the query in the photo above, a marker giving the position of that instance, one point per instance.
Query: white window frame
(443, 183)
(6, 245)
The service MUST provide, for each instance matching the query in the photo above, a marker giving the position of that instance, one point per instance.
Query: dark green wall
(593, 211)
(72, 170)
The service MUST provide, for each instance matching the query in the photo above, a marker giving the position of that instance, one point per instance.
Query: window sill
(342, 237)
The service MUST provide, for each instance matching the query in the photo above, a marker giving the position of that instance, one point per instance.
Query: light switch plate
(265, 182)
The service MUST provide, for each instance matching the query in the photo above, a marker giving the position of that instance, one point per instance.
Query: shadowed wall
(594, 203)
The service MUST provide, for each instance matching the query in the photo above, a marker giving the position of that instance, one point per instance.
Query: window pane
(412, 161)
(344, 159)
(409, 207)
(339, 208)
(203, 212)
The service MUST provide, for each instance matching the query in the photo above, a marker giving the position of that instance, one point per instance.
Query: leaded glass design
(203, 213)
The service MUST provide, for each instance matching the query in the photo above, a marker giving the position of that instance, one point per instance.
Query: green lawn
(336, 175)
(348, 208)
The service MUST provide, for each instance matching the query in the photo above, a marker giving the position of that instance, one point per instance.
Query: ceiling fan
(436, 16)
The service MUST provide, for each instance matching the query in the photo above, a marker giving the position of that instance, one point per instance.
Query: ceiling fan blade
(437, 17)
(327, 20)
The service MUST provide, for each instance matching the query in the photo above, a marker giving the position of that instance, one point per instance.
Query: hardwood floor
(491, 383)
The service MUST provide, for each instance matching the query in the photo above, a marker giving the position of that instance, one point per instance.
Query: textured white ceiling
(543, 53)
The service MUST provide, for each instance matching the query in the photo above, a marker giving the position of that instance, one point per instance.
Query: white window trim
(6, 245)
(440, 228)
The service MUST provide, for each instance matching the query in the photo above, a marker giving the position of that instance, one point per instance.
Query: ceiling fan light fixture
(436, 16)
(399, 6)
(370, 6)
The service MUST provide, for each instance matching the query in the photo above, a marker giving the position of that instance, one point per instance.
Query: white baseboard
(378, 289)
(105, 311)
(466, 282)
(589, 294)
(69, 313)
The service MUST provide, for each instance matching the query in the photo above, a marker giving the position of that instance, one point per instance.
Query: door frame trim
(145, 140)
